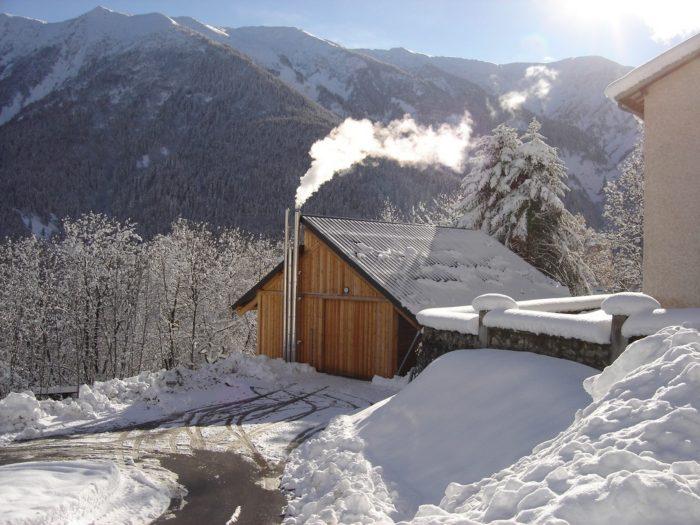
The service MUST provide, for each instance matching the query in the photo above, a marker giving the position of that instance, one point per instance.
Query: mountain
(152, 117)
(574, 99)
(592, 134)
(140, 117)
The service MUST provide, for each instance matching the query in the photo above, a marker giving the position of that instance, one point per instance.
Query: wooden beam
(247, 307)
(344, 297)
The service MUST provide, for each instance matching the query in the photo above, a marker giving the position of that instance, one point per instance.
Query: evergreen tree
(490, 181)
(624, 212)
(515, 193)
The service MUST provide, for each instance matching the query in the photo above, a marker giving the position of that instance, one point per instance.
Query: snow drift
(469, 414)
(55, 492)
(631, 457)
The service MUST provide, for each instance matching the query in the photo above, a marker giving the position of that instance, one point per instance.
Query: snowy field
(480, 437)
(629, 457)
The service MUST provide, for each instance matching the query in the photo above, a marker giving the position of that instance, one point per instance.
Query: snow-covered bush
(624, 213)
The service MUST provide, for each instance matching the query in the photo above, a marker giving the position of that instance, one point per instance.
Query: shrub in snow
(493, 301)
(629, 303)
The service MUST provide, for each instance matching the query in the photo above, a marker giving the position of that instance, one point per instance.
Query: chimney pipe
(295, 285)
(286, 290)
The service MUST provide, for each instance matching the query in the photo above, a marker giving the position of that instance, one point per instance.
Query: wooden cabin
(361, 284)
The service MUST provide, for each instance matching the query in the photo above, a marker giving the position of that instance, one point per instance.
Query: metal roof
(420, 265)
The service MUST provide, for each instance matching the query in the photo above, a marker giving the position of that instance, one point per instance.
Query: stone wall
(437, 342)
(591, 354)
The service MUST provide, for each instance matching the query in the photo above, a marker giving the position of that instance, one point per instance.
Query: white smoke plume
(403, 141)
(538, 82)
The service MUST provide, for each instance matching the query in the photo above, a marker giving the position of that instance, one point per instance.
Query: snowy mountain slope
(151, 121)
(39, 57)
(591, 133)
(347, 83)
(574, 98)
(141, 117)
(384, 85)
(103, 73)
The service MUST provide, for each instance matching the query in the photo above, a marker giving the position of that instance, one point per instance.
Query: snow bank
(469, 414)
(492, 301)
(22, 416)
(55, 492)
(630, 457)
(591, 326)
(462, 319)
(629, 303)
(647, 323)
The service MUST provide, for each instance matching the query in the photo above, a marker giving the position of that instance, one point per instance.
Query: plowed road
(226, 455)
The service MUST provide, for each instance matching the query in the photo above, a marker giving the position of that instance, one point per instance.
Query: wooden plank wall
(353, 333)
(270, 305)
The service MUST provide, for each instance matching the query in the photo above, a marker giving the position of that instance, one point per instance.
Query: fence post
(618, 342)
(483, 330)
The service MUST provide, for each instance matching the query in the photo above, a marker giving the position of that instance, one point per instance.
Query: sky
(627, 31)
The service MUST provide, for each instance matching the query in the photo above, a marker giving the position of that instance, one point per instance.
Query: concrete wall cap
(629, 303)
(493, 301)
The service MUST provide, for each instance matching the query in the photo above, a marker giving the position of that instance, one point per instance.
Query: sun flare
(666, 20)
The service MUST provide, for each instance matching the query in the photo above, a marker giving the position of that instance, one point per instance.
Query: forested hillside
(153, 118)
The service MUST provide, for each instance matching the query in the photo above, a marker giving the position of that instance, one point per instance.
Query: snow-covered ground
(263, 390)
(73, 492)
(469, 414)
(246, 411)
(630, 457)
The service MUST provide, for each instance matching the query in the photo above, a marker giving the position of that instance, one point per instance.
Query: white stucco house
(665, 93)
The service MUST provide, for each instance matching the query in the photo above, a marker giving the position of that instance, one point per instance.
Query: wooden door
(358, 338)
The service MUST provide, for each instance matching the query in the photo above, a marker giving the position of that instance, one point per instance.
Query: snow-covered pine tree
(491, 179)
(515, 192)
(624, 212)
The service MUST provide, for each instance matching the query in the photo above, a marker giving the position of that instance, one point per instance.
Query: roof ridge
(377, 221)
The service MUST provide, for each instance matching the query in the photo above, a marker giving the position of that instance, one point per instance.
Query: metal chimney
(292, 241)
(286, 290)
(294, 300)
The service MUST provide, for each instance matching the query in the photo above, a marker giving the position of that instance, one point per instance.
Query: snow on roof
(656, 68)
(421, 266)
